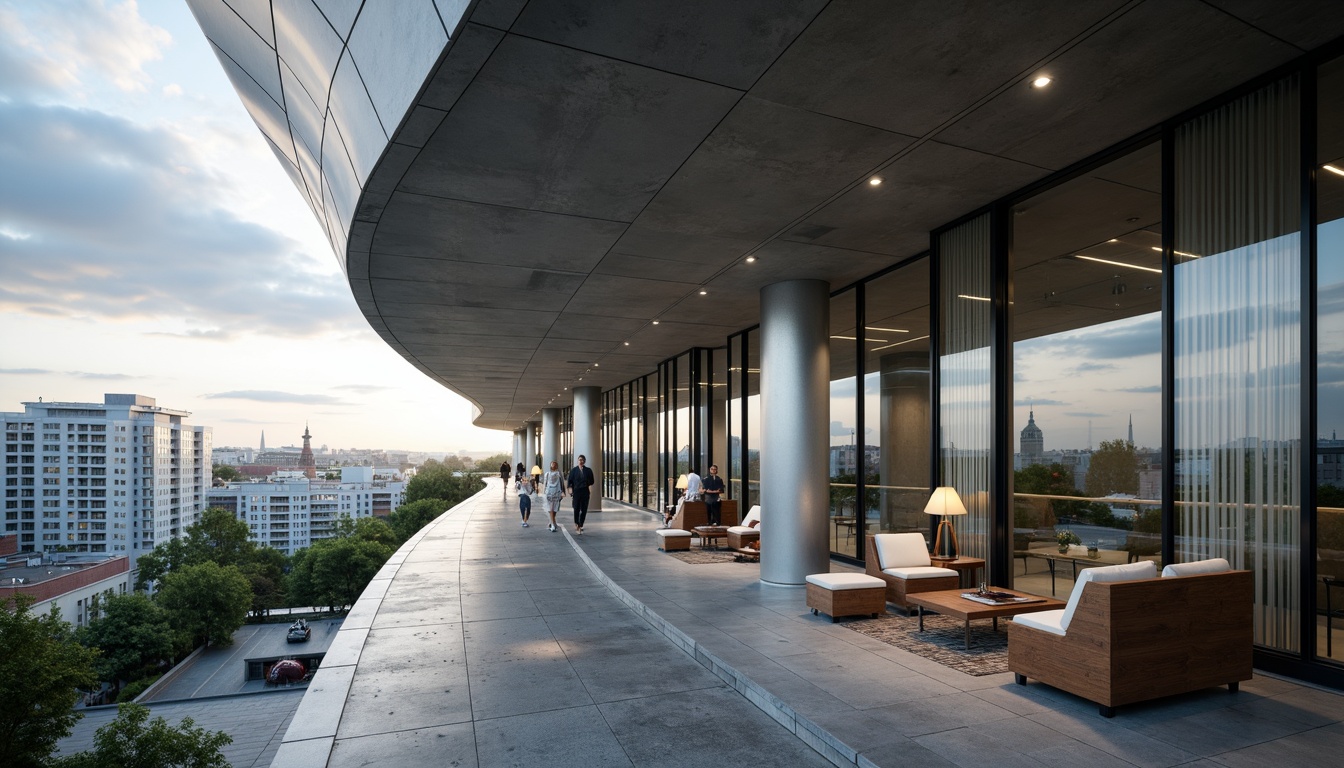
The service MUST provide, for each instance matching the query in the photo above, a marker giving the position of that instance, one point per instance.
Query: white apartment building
(290, 515)
(114, 478)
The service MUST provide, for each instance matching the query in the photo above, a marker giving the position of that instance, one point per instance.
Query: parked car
(299, 632)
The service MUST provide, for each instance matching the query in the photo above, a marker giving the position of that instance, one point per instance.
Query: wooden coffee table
(950, 603)
(708, 533)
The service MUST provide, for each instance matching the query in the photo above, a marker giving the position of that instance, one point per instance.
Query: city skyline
(151, 245)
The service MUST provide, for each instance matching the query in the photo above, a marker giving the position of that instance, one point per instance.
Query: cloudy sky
(150, 243)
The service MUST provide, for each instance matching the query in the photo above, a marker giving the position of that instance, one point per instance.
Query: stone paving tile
(453, 745)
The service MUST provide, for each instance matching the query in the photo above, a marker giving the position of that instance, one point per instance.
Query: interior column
(588, 437)
(795, 421)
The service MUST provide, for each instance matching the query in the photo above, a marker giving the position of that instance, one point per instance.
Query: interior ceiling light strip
(1116, 263)
(899, 343)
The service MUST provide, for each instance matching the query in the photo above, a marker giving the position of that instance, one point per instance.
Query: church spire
(263, 441)
(1131, 429)
(306, 462)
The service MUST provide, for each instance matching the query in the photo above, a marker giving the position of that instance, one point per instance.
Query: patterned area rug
(943, 640)
(701, 557)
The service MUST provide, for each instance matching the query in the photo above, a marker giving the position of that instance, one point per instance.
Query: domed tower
(306, 462)
(1033, 440)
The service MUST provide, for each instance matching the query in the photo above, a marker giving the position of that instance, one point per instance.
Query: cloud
(1038, 401)
(272, 396)
(1088, 415)
(1151, 389)
(78, 374)
(213, 334)
(838, 429)
(363, 389)
(1090, 367)
(124, 225)
(76, 45)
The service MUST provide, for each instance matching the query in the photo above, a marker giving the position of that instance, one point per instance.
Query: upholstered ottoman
(846, 594)
(673, 539)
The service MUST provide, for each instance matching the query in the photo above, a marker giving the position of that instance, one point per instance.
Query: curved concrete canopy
(571, 172)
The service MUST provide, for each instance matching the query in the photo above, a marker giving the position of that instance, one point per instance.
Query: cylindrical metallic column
(550, 437)
(795, 421)
(588, 437)
(517, 447)
(529, 447)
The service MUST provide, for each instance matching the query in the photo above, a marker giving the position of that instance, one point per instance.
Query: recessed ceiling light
(751, 259)
(597, 365)
(1333, 169)
(626, 343)
(876, 181)
(1113, 240)
(1116, 263)
(704, 293)
(1040, 81)
(655, 322)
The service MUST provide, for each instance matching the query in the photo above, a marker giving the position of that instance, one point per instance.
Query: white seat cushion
(743, 529)
(919, 572)
(1144, 569)
(1043, 620)
(1216, 565)
(672, 533)
(753, 515)
(842, 581)
(901, 550)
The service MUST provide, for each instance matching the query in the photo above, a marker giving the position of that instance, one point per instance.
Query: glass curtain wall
(847, 441)
(1087, 370)
(731, 465)
(1237, 355)
(717, 435)
(896, 391)
(965, 377)
(1330, 363)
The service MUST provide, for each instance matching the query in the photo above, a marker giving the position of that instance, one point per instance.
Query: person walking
(711, 489)
(518, 476)
(553, 486)
(525, 490)
(580, 480)
(504, 471)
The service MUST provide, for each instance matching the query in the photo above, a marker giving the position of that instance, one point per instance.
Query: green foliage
(1067, 537)
(132, 742)
(155, 564)
(219, 537)
(226, 473)
(41, 666)
(411, 517)
(1114, 469)
(133, 634)
(491, 465)
(374, 529)
(335, 571)
(207, 601)
(439, 482)
(266, 573)
(136, 688)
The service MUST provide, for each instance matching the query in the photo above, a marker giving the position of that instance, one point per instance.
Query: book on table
(999, 598)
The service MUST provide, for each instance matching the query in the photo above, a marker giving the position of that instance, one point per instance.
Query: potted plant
(1065, 538)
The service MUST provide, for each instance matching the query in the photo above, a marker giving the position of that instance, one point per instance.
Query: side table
(966, 566)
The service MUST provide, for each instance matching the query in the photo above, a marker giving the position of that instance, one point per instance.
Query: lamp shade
(681, 483)
(945, 501)
(536, 470)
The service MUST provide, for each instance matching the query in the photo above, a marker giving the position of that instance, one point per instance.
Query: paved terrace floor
(485, 644)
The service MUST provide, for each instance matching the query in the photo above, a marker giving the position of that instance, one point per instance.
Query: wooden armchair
(1131, 641)
(902, 561)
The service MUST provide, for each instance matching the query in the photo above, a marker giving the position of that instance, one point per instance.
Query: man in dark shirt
(711, 490)
(504, 471)
(580, 480)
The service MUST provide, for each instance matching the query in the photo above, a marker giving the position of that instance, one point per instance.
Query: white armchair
(902, 561)
(749, 531)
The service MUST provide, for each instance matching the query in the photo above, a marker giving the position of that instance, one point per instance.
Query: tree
(439, 482)
(41, 668)
(1114, 469)
(411, 517)
(164, 558)
(374, 529)
(335, 571)
(266, 573)
(132, 635)
(491, 464)
(219, 537)
(226, 473)
(128, 742)
(207, 601)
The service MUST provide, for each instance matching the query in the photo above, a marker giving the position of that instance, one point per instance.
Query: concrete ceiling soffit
(548, 128)
(727, 43)
(1142, 68)
(911, 69)
(457, 231)
(1306, 25)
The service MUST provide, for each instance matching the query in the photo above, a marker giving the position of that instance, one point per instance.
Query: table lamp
(945, 502)
(536, 471)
